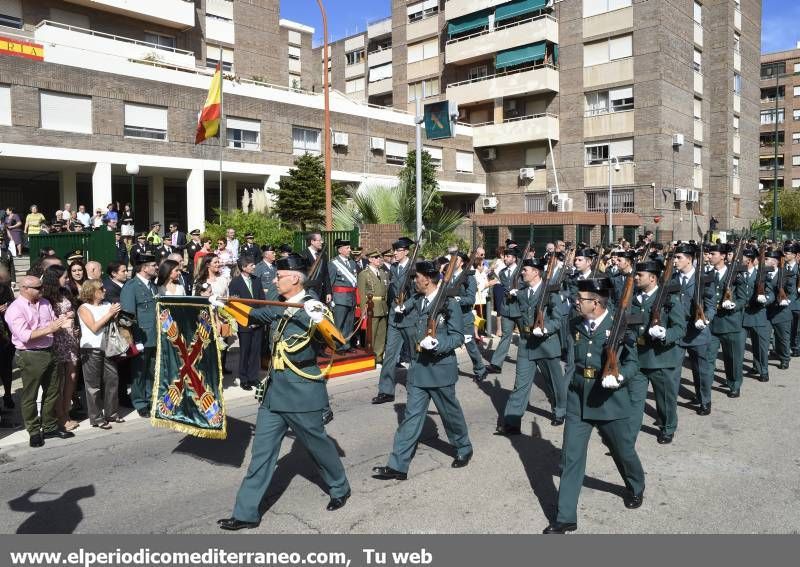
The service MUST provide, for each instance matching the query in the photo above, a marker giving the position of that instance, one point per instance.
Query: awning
(518, 8)
(467, 23)
(519, 55)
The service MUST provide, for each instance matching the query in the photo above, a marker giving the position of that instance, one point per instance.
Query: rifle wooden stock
(541, 305)
(452, 289)
(569, 258)
(663, 291)
(762, 272)
(618, 330)
(599, 253)
(780, 292)
(733, 269)
(439, 300)
(699, 285)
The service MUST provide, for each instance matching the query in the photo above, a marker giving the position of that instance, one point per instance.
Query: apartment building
(655, 99)
(90, 87)
(780, 119)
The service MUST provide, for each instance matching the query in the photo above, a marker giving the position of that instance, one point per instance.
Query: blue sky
(780, 25)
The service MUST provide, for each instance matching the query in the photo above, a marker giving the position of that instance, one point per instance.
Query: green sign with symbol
(438, 124)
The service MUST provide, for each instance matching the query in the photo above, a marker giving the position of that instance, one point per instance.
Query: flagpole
(222, 130)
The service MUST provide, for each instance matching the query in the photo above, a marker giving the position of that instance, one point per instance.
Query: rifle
(562, 275)
(780, 293)
(599, 253)
(762, 271)
(439, 301)
(733, 269)
(618, 329)
(401, 295)
(452, 290)
(664, 289)
(538, 323)
(699, 284)
(517, 270)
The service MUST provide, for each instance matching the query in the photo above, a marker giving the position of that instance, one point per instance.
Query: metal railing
(621, 201)
(113, 37)
(536, 203)
(504, 73)
(500, 28)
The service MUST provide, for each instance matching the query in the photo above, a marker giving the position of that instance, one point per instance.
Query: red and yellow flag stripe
(208, 124)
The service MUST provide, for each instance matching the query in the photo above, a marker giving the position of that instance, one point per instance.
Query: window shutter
(144, 116)
(66, 112)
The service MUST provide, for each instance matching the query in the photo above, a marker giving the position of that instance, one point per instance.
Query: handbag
(114, 344)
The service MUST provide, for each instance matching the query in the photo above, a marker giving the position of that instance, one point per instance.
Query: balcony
(356, 70)
(379, 28)
(423, 28)
(698, 130)
(608, 124)
(698, 35)
(534, 128)
(80, 43)
(737, 102)
(608, 23)
(737, 144)
(621, 201)
(383, 86)
(597, 175)
(170, 13)
(737, 61)
(220, 29)
(379, 57)
(535, 79)
(456, 8)
(608, 73)
(698, 83)
(424, 68)
(478, 45)
(697, 177)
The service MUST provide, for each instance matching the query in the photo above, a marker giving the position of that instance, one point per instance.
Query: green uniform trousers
(577, 432)
(395, 339)
(37, 368)
(379, 337)
(478, 365)
(782, 333)
(666, 382)
(637, 390)
(701, 361)
(759, 339)
(523, 381)
(418, 399)
(732, 356)
(143, 371)
(507, 326)
(271, 428)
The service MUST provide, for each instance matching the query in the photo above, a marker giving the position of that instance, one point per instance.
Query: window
(536, 203)
(5, 105)
(144, 121)
(735, 167)
(796, 91)
(768, 116)
(396, 152)
(737, 84)
(243, 134)
(294, 52)
(380, 72)
(536, 157)
(295, 82)
(598, 153)
(698, 156)
(796, 115)
(306, 141)
(421, 10)
(614, 100)
(295, 38)
(478, 72)
(11, 13)
(354, 85)
(437, 156)
(768, 93)
(423, 50)
(221, 8)
(797, 67)
(795, 161)
(69, 113)
(430, 87)
(768, 138)
(464, 162)
(354, 57)
(795, 137)
(795, 183)
(768, 163)
(737, 42)
(698, 12)
(611, 49)
(594, 7)
(772, 69)
(698, 109)
(698, 61)
(735, 123)
(161, 40)
(212, 55)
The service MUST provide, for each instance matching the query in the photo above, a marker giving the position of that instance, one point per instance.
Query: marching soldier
(596, 401)
(507, 309)
(373, 284)
(779, 312)
(698, 334)
(433, 375)
(583, 266)
(659, 353)
(295, 397)
(791, 251)
(726, 327)
(624, 262)
(193, 247)
(465, 297)
(343, 280)
(754, 318)
(539, 347)
(250, 248)
(139, 248)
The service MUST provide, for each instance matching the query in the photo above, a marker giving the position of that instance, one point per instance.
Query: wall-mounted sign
(18, 48)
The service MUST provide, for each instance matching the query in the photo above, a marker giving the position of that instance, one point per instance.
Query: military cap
(249, 235)
(688, 249)
(538, 263)
(75, 255)
(586, 252)
(388, 252)
(512, 252)
(195, 232)
(293, 262)
(268, 248)
(155, 223)
(357, 251)
(510, 243)
(145, 258)
(464, 257)
(750, 252)
(402, 243)
(141, 236)
(629, 254)
(427, 268)
(601, 286)
(285, 248)
(341, 242)
(777, 254)
(652, 266)
(721, 248)
(374, 254)
(792, 248)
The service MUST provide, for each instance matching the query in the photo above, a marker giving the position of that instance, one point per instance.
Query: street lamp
(133, 170)
(610, 195)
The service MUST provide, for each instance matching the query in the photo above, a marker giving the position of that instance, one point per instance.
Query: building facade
(89, 87)
(651, 102)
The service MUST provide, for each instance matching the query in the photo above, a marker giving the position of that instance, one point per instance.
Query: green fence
(96, 245)
(329, 236)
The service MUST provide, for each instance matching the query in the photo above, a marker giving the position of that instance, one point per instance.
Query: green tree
(432, 201)
(267, 229)
(788, 208)
(300, 197)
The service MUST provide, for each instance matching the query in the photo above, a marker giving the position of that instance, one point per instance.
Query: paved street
(734, 471)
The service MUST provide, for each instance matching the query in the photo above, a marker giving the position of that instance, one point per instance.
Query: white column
(229, 195)
(195, 200)
(101, 186)
(68, 190)
(157, 200)
(271, 182)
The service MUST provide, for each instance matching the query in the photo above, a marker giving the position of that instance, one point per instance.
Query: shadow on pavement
(229, 452)
(55, 516)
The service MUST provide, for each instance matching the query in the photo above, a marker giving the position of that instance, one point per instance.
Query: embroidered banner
(187, 393)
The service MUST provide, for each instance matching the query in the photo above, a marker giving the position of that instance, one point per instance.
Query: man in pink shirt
(32, 323)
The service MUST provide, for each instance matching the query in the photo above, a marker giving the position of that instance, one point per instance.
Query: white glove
(429, 343)
(784, 303)
(537, 332)
(513, 292)
(699, 324)
(400, 308)
(458, 299)
(315, 310)
(213, 300)
(657, 332)
(729, 305)
(762, 299)
(611, 382)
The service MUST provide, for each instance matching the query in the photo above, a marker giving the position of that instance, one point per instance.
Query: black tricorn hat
(777, 254)
(285, 248)
(510, 243)
(537, 263)
(687, 249)
(721, 248)
(627, 254)
(402, 242)
(145, 258)
(792, 248)
(600, 286)
(294, 262)
(750, 252)
(268, 248)
(652, 266)
(341, 242)
(427, 268)
(586, 252)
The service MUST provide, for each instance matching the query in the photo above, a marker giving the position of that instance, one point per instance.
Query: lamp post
(610, 195)
(133, 170)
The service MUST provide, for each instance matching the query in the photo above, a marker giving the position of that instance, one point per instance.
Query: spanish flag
(208, 124)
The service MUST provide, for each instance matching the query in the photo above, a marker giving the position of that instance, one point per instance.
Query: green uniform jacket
(658, 353)
(508, 306)
(437, 368)
(139, 299)
(531, 346)
(378, 287)
(775, 313)
(794, 271)
(287, 391)
(597, 402)
(466, 299)
(397, 273)
(728, 320)
(755, 314)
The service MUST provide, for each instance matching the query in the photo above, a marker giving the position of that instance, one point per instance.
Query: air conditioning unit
(527, 173)
(489, 203)
(489, 154)
(340, 139)
(677, 139)
(694, 196)
(565, 206)
(377, 143)
(681, 195)
(557, 199)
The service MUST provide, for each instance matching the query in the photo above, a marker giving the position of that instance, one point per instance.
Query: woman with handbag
(99, 369)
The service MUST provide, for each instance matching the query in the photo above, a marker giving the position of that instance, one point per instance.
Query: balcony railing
(536, 203)
(504, 74)
(112, 36)
(621, 201)
(500, 28)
